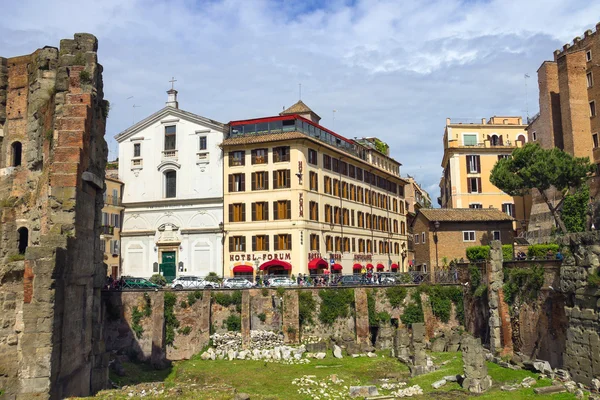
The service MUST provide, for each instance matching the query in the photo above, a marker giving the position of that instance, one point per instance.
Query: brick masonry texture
(51, 331)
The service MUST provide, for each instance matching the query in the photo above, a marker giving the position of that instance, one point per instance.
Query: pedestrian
(559, 256)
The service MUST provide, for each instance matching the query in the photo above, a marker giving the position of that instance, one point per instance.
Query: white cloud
(393, 69)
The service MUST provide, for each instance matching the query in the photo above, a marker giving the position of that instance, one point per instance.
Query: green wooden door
(168, 265)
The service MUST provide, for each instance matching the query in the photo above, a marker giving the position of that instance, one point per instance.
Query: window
(346, 216)
(473, 165)
(260, 211)
(137, 149)
(346, 245)
(595, 139)
(338, 244)
(335, 165)
(381, 248)
(423, 237)
(395, 226)
(474, 185)
(281, 179)
(336, 188)
(237, 183)
(312, 157)
(592, 108)
(326, 162)
(534, 136)
(503, 156)
(361, 219)
(496, 235)
(590, 80)
(402, 228)
(114, 247)
(313, 210)
(237, 212)
(283, 242)
(337, 215)
(328, 213)
(170, 184)
(315, 244)
(202, 143)
(170, 137)
(345, 190)
(509, 208)
(359, 195)
(475, 205)
(282, 209)
(352, 192)
(259, 156)
(260, 180)
(470, 140)
(328, 243)
(281, 154)
(588, 56)
(468, 236)
(260, 243)
(237, 158)
(314, 181)
(17, 149)
(359, 173)
(114, 220)
(351, 171)
(417, 238)
(369, 246)
(327, 184)
(237, 243)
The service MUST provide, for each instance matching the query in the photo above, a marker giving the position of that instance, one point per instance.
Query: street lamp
(436, 226)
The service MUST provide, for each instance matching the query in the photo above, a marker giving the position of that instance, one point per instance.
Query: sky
(391, 69)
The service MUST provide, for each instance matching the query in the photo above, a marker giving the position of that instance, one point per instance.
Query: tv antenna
(526, 97)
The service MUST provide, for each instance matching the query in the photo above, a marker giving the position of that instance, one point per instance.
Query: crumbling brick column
(291, 317)
(246, 319)
(361, 307)
(499, 321)
(476, 379)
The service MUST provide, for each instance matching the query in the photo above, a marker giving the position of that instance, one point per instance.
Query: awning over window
(317, 263)
(336, 267)
(394, 266)
(243, 268)
(380, 267)
(276, 263)
(357, 266)
(369, 266)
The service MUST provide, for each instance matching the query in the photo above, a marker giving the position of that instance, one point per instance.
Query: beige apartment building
(300, 198)
(470, 152)
(112, 217)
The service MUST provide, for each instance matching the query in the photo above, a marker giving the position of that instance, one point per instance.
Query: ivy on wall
(522, 284)
(306, 307)
(171, 322)
(335, 303)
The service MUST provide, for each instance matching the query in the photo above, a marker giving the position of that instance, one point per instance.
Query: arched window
(521, 138)
(16, 154)
(23, 239)
(170, 184)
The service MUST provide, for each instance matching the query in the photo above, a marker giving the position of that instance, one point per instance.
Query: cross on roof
(173, 80)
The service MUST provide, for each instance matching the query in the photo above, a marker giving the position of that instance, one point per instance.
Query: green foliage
(291, 330)
(16, 257)
(507, 252)
(226, 299)
(198, 294)
(234, 323)
(79, 59)
(480, 291)
(383, 318)
(306, 307)
(183, 304)
(474, 277)
(136, 318)
(335, 303)
(522, 284)
(541, 250)
(171, 322)
(534, 167)
(213, 277)
(191, 299)
(105, 108)
(381, 146)
(185, 330)
(264, 292)
(413, 312)
(371, 308)
(85, 77)
(50, 136)
(574, 209)
(478, 253)
(395, 295)
(262, 316)
(593, 278)
(158, 279)
(280, 291)
(147, 305)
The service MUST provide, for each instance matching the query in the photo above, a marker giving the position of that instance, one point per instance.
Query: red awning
(369, 266)
(380, 267)
(276, 263)
(336, 267)
(317, 263)
(357, 266)
(243, 268)
(394, 266)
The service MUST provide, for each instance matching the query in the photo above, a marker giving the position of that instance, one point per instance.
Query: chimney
(172, 98)
(482, 121)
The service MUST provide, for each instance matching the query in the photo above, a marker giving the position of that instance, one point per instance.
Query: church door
(168, 264)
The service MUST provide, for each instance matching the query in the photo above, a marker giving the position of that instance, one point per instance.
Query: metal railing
(112, 200)
(107, 230)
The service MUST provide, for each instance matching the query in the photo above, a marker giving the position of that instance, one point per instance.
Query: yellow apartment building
(112, 216)
(300, 198)
(470, 152)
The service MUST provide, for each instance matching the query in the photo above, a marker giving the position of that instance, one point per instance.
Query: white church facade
(171, 165)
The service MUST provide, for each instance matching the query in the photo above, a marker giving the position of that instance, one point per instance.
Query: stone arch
(16, 154)
(203, 219)
(23, 240)
(521, 138)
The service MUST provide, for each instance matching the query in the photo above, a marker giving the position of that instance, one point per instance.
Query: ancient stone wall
(52, 116)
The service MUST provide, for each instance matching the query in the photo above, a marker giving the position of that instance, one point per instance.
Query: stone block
(363, 391)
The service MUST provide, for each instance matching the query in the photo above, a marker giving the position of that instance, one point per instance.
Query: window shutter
(289, 209)
(231, 244)
(254, 180)
(275, 180)
(478, 185)
(266, 242)
(243, 183)
(253, 243)
(231, 213)
(275, 243)
(468, 185)
(266, 179)
(243, 205)
(265, 211)
(289, 241)
(254, 205)
(478, 164)
(287, 178)
(230, 183)
(275, 214)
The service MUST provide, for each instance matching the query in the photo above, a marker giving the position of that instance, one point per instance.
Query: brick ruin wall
(52, 160)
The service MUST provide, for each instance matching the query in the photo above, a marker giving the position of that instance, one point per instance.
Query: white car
(280, 282)
(192, 282)
(237, 283)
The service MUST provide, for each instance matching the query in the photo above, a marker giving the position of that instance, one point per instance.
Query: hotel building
(300, 198)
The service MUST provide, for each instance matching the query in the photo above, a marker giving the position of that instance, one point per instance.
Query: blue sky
(392, 69)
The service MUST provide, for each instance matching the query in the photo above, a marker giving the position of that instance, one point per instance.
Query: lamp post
(436, 226)
(223, 233)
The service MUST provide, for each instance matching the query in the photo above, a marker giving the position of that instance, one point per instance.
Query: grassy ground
(197, 379)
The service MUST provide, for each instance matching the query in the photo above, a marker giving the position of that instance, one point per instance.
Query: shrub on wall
(234, 323)
(522, 284)
(395, 295)
(413, 312)
(158, 279)
(541, 250)
(306, 307)
(171, 322)
(507, 252)
(478, 253)
(335, 303)
(136, 318)
(226, 299)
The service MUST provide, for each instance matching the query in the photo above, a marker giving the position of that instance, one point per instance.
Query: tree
(532, 167)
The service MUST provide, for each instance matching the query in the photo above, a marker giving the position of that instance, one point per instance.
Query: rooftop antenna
(173, 80)
(526, 98)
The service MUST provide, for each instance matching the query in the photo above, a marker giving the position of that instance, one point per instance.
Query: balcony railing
(169, 154)
(112, 201)
(107, 230)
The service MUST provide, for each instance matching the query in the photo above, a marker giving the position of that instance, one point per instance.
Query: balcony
(112, 201)
(107, 230)
(137, 163)
(169, 154)
(202, 157)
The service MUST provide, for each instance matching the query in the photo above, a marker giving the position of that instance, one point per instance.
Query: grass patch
(16, 257)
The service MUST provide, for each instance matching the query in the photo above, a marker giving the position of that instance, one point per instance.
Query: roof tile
(465, 214)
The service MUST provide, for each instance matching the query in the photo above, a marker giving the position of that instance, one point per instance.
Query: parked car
(237, 283)
(130, 282)
(349, 280)
(388, 278)
(192, 282)
(281, 282)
